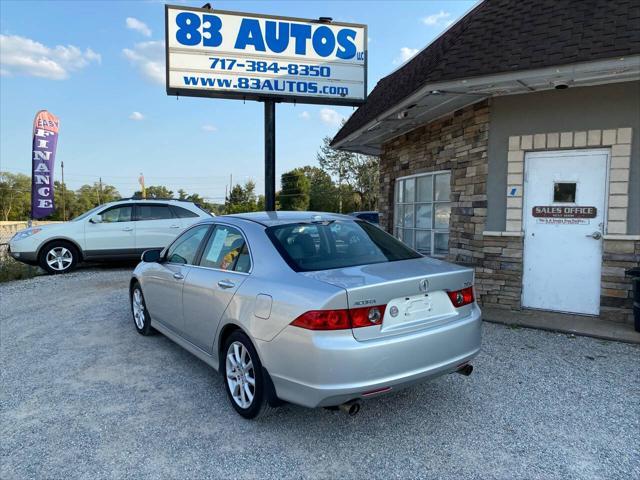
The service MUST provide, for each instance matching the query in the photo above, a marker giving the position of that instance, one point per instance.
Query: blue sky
(99, 67)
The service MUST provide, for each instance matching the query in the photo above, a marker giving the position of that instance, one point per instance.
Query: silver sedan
(310, 308)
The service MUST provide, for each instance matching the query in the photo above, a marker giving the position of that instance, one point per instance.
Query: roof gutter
(482, 85)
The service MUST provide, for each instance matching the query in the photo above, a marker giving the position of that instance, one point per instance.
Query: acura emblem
(424, 285)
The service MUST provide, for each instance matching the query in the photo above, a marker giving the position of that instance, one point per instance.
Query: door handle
(595, 235)
(174, 226)
(226, 284)
(178, 276)
(127, 229)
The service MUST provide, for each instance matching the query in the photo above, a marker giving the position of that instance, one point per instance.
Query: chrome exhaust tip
(465, 370)
(351, 408)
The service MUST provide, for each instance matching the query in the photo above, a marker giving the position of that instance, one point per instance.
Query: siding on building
(602, 108)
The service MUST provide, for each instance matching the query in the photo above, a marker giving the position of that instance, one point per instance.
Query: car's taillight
(340, 319)
(366, 316)
(460, 298)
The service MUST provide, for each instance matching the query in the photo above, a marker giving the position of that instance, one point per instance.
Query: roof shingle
(500, 36)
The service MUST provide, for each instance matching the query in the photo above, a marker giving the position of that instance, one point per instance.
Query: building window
(422, 211)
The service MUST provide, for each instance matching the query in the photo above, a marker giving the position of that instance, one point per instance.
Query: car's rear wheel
(141, 318)
(244, 378)
(59, 257)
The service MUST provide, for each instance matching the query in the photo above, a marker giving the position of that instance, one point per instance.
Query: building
(511, 144)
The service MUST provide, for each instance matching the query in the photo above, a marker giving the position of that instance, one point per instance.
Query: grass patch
(12, 270)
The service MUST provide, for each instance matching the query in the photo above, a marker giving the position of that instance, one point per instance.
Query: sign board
(570, 215)
(214, 53)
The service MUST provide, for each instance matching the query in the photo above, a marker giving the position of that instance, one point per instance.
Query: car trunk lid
(414, 292)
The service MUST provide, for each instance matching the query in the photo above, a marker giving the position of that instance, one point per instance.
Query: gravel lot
(84, 396)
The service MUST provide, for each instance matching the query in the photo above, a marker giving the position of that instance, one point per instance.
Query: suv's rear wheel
(59, 257)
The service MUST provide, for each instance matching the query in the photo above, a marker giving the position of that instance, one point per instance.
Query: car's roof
(285, 217)
(153, 200)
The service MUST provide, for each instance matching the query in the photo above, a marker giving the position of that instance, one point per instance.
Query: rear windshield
(338, 244)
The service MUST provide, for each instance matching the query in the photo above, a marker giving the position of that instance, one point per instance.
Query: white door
(115, 235)
(156, 226)
(563, 219)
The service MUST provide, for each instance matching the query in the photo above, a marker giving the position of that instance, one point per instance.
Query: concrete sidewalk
(566, 323)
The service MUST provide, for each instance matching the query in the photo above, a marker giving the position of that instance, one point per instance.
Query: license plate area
(424, 309)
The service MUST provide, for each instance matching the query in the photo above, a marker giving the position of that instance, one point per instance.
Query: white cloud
(137, 116)
(23, 56)
(148, 58)
(331, 117)
(305, 115)
(436, 19)
(405, 54)
(138, 26)
(209, 128)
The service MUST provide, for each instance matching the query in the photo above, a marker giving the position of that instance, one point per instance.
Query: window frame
(165, 253)
(175, 211)
(205, 241)
(137, 218)
(123, 205)
(433, 230)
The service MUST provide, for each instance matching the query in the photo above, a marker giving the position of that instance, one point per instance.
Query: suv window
(336, 244)
(153, 212)
(226, 250)
(182, 212)
(185, 248)
(117, 214)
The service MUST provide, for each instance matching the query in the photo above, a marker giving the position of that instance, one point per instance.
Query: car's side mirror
(96, 219)
(151, 256)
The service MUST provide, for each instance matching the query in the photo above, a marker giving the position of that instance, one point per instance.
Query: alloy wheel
(59, 258)
(241, 377)
(138, 308)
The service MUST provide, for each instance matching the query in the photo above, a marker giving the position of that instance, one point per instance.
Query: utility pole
(99, 190)
(64, 209)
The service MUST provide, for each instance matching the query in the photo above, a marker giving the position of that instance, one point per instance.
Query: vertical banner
(45, 139)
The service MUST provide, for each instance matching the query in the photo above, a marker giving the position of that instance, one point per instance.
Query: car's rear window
(336, 244)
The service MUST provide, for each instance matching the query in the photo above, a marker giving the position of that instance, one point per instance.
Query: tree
(358, 171)
(15, 196)
(89, 196)
(155, 191)
(323, 194)
(294, 194)
(65, 202)
(241, 198)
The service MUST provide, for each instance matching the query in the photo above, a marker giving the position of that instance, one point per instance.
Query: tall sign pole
(269, 155)
(271, 59)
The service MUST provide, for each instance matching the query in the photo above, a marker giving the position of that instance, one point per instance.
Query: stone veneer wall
(458, 143)
(616, 296)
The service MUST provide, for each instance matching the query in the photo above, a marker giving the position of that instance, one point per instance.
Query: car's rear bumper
(317, 369)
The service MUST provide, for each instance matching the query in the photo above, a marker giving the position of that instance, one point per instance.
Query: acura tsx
(316, 309)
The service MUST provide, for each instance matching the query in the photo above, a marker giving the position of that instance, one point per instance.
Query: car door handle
(226, 284)
(174, 226)
(127, 229)
(178, 276)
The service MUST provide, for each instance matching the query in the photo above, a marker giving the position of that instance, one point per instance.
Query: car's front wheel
(244, 378)
(59, 257)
